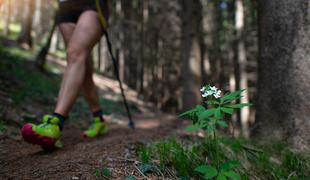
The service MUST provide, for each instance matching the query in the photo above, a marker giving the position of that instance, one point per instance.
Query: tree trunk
(190, 53)
(215, 54)
(144, 19)
(25, 36)
(129, 73)
(8, 13)
(37, 17)
(284, 72)
(240, 66)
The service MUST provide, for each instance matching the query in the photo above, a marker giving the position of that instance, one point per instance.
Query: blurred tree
(7, 21)
(191, 52)
(25, 35)
(284, 72)
(241, 64)
(215, 47)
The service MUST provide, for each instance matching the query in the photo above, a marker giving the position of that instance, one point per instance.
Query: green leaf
(221, 176)
(229, 165)
(200, 108)
(241, 105)
(193, 127)
(189, 113)
(206, 114)
(232, 174)
(106, 172)
(222, 123)
(212, 172)
(97, 173)
(211, 102)
(208, 171)
(227, 110)
(201, 169)
(231, 96)
(218, 114)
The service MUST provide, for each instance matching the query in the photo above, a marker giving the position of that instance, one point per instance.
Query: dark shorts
(70, 10)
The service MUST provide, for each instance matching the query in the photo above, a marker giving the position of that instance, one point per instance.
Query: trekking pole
(131, 123)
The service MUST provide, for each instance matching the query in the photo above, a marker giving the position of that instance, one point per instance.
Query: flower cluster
(210, 91)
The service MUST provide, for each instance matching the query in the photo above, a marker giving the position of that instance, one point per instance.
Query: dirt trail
(80, 158)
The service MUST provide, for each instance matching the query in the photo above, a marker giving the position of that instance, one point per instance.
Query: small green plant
(169, 153)
(296, 162)
(144, 154)
(209, 116)
(215, 156)
(103, 172)
(224, 172)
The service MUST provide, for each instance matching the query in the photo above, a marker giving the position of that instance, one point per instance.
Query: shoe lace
(44, 124)
(47, 122)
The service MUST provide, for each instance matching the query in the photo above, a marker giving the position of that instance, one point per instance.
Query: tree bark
(190, 53)
(240, 66)
(216, 53)
(284, 72)
(8, 13)
(25, 35)
(144, 19)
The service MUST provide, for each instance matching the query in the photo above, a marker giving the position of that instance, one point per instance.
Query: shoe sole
(32, 137)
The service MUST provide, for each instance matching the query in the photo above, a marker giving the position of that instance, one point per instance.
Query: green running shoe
(46, 134)
(97, 128)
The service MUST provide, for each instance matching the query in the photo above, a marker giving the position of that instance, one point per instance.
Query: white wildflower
(217, 94)
(207, 93)
(210, 91)
(214, 89)
(203, 89)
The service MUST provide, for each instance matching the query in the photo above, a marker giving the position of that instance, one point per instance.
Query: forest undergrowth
(216, 155)
(204, 152)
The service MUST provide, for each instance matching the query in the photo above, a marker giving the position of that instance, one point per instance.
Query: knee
(76, 55)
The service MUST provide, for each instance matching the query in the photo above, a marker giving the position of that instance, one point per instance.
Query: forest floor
(26, 94)
(79, 158)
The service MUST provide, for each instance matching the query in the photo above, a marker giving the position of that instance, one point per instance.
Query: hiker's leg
(88, 87)
(86, 34)
(66, 30)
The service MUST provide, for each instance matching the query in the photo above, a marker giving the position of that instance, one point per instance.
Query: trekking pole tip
(131, 124)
